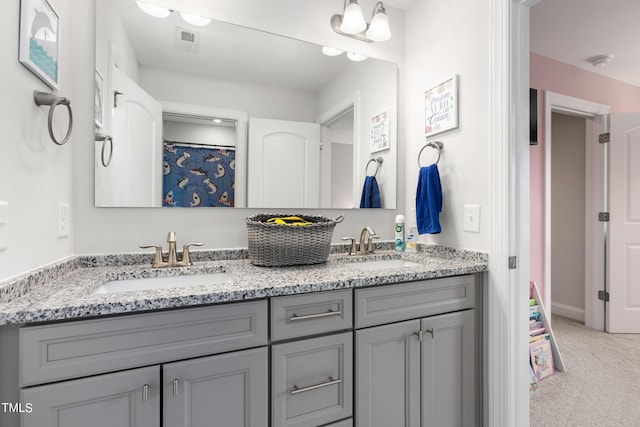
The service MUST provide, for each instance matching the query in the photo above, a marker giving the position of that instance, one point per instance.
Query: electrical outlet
(472, 218)
(4, 225)
(63, 220)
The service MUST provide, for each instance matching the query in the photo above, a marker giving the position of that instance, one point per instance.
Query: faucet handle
(370, 242)
(158, 261)
(171, 237)
(352, 249)
(186, 258)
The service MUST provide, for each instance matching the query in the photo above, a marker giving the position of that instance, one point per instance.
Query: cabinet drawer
(312, 381)
(73, 349)
(309, 314)
(393, 303)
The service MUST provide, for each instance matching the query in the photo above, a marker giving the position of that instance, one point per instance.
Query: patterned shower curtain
(195, 175)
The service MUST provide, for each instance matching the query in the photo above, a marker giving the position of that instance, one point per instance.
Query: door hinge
(603, 138)
(513, 262)
(603, 296)
(115, 98)
(603, 216)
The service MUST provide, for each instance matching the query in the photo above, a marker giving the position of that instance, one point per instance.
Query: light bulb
(197, 20)
(353, 20)
(154, 10)
(356, 56)
(331, 51)
(379, 28)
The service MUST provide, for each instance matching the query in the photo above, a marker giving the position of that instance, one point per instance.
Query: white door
(136, 127)
(623, 312)
(284, 164)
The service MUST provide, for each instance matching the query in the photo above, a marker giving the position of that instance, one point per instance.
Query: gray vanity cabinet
(419, 372)
(124, 399)
(228, 390)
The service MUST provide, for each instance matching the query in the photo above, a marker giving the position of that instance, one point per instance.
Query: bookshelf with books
(545, 357)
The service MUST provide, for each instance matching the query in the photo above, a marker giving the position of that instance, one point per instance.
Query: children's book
(541, 359)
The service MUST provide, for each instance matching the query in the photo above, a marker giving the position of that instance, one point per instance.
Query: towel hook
(45, 98)
(433, 144)
(378, 161)
(104, 138)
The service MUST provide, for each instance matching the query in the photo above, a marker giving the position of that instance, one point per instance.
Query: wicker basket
(276, 245)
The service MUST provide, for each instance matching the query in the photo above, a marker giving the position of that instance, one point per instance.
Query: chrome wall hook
(45, 98)
(105, 138)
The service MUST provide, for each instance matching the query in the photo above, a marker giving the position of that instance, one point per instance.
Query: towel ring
(433, 144)
(378, 161)
(44, 98)
(104, 138)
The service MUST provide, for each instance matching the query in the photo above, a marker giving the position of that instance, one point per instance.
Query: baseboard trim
(569, 311)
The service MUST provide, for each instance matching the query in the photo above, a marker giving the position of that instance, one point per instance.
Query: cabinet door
(312, 381)
(228, 390)
(448, 370)
(119, 399)
(387, 375)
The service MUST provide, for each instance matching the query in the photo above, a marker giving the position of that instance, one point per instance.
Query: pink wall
(549, 74)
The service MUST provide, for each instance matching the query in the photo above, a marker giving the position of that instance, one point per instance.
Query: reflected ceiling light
(356, 56)
(352, 23)
(153, 9)
(331, 51)
(197, 20)
(217, 121)
(601, 60)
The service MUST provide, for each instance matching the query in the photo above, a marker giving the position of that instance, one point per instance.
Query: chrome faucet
(365, 245)
(172, 256)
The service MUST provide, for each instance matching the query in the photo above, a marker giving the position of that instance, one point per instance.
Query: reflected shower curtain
(197, 175)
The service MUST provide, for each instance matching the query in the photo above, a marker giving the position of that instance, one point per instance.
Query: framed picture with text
(380, 132)
(39, 40)
(441, 107)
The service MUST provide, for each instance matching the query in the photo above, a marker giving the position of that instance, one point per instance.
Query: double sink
(193, 278)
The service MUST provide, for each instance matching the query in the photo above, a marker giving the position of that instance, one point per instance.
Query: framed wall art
(380, 132)
(99, 101)
(441, 107)
(39, 40)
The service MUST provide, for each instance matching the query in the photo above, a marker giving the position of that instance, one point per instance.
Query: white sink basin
(128, 285)
(384, 264)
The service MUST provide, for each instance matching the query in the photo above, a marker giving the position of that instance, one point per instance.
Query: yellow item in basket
(289, 220)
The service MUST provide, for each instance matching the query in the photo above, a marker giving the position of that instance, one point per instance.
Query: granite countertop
(66, 290)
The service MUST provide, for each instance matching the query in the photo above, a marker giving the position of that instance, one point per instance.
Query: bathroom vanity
(357, 341)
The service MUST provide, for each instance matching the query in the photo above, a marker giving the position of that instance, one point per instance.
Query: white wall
(199, 134)
(35, 174)
(100, 230)
(258, 100)
(442, 41)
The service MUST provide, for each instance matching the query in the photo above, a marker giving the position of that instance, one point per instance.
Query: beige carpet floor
(601, 386)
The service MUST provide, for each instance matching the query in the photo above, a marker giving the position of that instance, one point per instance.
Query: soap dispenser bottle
(400, 233)
(412, 233)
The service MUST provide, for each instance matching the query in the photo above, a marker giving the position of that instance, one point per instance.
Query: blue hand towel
(370, 193)
(428, 200)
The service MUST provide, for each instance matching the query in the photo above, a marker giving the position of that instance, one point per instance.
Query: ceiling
(572, 31)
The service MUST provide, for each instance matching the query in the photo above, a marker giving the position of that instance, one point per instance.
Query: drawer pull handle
(329, 313)
(176, 389)
(145, 392)
(331, 381)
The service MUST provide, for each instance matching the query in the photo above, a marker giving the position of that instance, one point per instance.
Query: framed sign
(441, 107)
(380, 132)
(99, 101)
(39, 40)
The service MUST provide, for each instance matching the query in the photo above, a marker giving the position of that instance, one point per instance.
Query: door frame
(594, 200)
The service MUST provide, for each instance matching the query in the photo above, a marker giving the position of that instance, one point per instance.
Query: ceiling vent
(187, 40)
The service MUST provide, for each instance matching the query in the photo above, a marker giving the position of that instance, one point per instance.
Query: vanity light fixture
(197, 20)
(356, 57)
(601, 60)
(352, 23)
(154, 10)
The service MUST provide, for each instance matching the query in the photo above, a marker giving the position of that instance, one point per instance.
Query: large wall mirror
(227, 116)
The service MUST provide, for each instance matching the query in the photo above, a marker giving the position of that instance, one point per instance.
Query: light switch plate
(63, 220)
(4, 225)
(472, 218)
